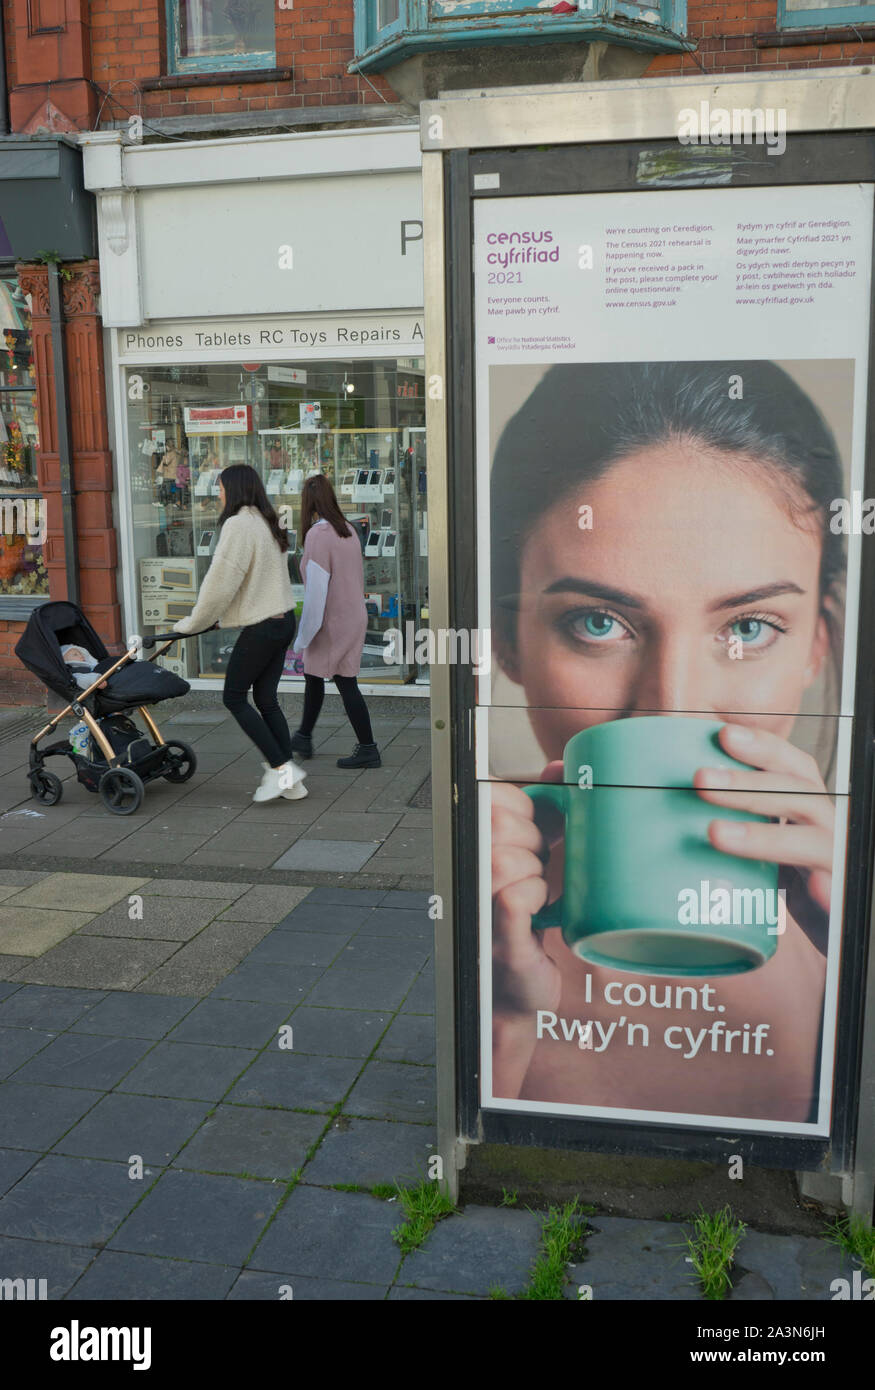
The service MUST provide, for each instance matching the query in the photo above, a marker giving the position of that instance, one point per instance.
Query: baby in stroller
(62, 649)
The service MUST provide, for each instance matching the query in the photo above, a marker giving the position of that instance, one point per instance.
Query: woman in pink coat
(334, 620)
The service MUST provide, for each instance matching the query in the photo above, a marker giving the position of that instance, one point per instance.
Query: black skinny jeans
(353, 703)
(257, 662)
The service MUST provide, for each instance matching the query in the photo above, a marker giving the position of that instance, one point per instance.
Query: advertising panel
(670, 421)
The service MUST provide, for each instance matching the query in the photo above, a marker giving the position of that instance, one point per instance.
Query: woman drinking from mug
(709, 540)
(248, 586)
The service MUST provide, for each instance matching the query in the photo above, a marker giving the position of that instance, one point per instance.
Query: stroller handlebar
(168, 638)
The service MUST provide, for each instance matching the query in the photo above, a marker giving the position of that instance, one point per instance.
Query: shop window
(815, 14)
(359, 422)
(220, 35)
(388, 31)
(23, 575)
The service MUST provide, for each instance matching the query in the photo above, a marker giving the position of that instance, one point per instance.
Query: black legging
(257, 661)
(353, 703)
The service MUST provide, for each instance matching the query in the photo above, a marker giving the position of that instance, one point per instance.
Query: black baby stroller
(122, 758)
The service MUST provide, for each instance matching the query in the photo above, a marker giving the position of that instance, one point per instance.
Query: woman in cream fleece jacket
(248, 586)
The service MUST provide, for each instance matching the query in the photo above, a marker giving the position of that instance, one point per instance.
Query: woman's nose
(671, 679)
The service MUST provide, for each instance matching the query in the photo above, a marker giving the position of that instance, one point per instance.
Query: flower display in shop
(13, 449)
(10, 350)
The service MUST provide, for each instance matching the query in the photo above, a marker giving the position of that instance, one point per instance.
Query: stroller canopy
(52, 626)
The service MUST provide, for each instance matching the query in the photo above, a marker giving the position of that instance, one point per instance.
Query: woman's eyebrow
(571, 585)
(756, 595)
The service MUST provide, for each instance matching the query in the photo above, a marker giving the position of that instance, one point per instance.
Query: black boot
(365, 755)
(302, 744)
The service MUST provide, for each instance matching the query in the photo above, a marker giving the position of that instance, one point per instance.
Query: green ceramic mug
(644, 889)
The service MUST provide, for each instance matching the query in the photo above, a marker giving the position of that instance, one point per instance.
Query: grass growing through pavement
(561, 1242)
(856, 1238)
(423, 1206)
(712, 1249)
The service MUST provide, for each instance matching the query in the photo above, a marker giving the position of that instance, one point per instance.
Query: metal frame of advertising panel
(607, 166)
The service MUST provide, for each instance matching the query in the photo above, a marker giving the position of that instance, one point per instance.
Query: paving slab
(36, 1116)
(10, 965)
(157, 918)
(193, 888)
(79, 892)
(98, 962)
(245, 860)
(401, 1294)
(233, 1022)
(336, 856)
(797, 1268)
(637, 1261)
(338, 825)
(394, 1091)
(366, 952)
(269, 982)
(368, 1152)
(410, 1038)
(14, 1163)
(319, 916)
(115, 1276)
(187, 1071)
(178, 1218)
(18, 1045)
(36, 1005)
(78, 1059)
(295, 1081)
(349, 987)
(156, 850)
(22, 878)
(59, 1265)
(475, 1251)
(120, 1126)
(254, 1142)
(420, 999)
(401, 923)
(265, 904)
(299, 948)
(77, 1201)
(31, 931)
(124, 1014)
(403, 898)
(345, 897)
(332, 1235)
(337, 1032)
(253, 1285)
(203, 963)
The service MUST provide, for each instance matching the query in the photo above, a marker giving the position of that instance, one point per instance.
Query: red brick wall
(725, 33)
(129, 44)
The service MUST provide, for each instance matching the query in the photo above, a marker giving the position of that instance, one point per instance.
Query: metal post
(438, 607)
(62, 416)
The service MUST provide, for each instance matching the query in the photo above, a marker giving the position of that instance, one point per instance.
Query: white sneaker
(291, 780)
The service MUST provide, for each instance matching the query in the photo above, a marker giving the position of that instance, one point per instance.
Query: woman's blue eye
(749, 629)
(599, 624)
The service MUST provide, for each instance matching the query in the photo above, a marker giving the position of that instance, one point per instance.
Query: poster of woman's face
(667, 545)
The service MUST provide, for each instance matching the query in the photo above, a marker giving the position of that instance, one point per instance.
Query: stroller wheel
(181, 760)
(121, 791)
(46, 787)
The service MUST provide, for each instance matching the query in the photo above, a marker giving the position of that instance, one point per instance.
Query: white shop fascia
(267, 247)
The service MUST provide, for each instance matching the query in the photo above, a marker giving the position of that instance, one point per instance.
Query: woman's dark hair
(318, 499)
(244, 488)
(582, 418)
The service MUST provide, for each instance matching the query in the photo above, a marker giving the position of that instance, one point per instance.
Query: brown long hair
(244, 488)
(318, 498)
